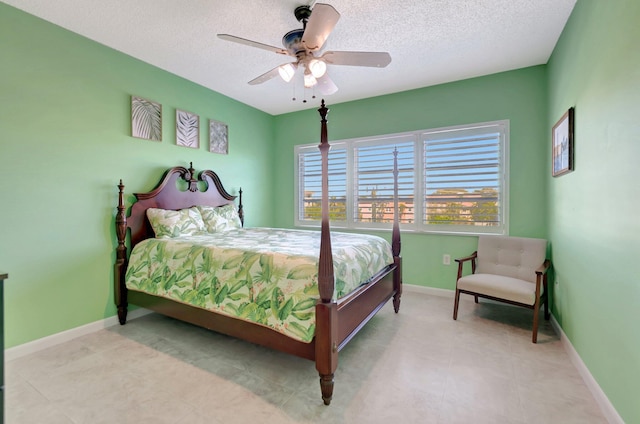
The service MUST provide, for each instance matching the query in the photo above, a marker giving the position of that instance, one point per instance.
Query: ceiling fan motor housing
(292, 41)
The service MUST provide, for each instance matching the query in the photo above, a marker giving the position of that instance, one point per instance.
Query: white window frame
(418, 138)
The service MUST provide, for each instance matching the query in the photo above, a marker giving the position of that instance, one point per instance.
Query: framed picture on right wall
(562, 145)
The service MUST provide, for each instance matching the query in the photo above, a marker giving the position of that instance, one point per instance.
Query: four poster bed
(226, 280)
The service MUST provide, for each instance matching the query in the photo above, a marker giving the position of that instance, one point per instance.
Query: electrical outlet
(446, 259)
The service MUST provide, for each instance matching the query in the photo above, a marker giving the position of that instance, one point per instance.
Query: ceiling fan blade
(372, 59)
(250, 43)
(266, 76)
(326, 86)
(320, 24)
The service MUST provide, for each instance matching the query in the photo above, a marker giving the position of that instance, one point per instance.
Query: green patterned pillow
(221, 218)
(169, 223)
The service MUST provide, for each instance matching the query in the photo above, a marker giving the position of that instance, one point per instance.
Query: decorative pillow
(169, 223)
(221, 218)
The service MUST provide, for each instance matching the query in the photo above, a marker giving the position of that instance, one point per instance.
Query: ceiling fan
(305, 45)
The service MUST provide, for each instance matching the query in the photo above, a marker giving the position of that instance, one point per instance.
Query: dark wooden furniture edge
(336, 322)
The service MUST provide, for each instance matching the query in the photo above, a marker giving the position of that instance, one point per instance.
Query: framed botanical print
(187, 129)
(218, 137)
(146, 119)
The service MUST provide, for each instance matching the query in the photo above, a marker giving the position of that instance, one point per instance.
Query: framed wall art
(218, 137)
(187, 129)
(146, 119)
(562, 145)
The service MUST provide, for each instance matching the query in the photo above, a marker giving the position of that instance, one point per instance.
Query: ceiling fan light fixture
(317, 67)
(309, 80)
(287, 71)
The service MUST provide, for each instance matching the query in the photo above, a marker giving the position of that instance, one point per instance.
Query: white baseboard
(412, 288)
(64, 336)
(606, 407)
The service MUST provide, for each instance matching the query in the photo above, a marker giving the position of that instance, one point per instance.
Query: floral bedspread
(264, 275)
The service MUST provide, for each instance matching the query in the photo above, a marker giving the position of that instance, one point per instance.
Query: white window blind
(374, 181)
(463, 177)
(310, 183)
(459, 176)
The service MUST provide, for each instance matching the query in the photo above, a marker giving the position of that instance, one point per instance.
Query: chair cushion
(499, 286)
(516, 257)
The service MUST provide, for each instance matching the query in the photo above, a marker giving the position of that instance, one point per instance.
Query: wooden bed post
(326, 308)
(395, 237)
(120, 291)
(240, 207)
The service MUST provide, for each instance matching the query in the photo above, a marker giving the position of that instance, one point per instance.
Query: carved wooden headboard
(206, 189)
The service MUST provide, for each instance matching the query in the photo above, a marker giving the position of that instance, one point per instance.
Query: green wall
(594, 211)
(519, 96)
(65, 143)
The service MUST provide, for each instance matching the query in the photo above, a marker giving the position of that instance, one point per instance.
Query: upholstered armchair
(507, 269)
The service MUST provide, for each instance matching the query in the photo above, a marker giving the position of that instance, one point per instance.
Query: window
(465, 179)
(459, 175)
(310, 189)
(373, 185)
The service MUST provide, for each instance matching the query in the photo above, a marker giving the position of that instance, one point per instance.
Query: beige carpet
(418, 366)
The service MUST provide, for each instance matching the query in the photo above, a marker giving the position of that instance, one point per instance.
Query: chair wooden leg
(476, 297)
(536, 305)
(455, 304)
(534, 338)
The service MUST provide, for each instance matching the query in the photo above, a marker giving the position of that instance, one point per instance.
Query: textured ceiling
(430, 41)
